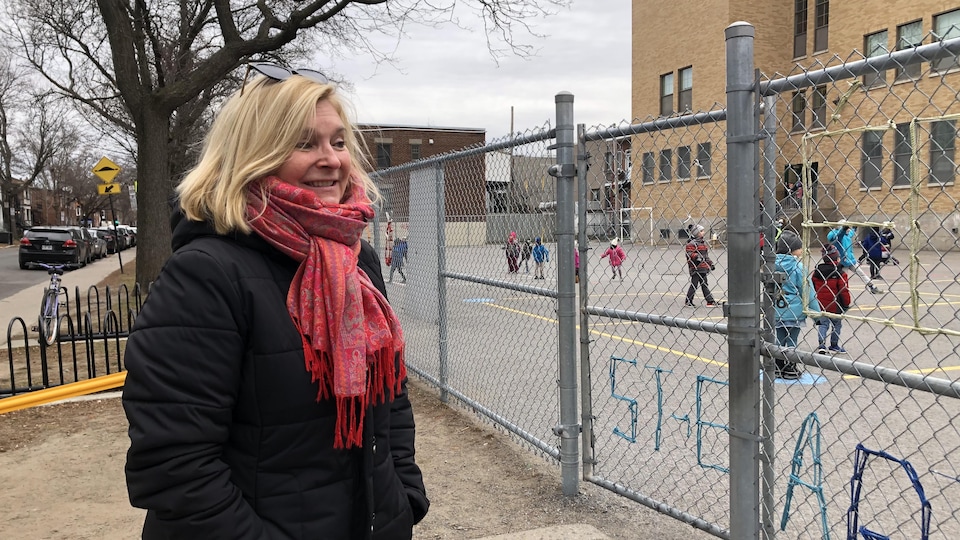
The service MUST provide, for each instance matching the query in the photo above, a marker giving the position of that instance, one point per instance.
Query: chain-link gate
(479, 320)
(687, 402)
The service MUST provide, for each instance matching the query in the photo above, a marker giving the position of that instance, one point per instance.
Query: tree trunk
(154, 190)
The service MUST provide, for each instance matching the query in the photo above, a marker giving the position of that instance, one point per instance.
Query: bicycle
(50, 305)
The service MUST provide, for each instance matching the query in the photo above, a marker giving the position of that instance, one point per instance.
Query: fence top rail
(544, 135)
(875, 64)
(660, 124)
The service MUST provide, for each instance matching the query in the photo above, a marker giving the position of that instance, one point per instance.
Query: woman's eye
(304, 145)
(339, 144)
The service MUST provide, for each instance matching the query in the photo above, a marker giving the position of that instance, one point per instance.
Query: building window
(683, 163)
(946, 26)
(799, 28)
(649, 163)
(704, 168)
(666, 94)
(909, 35)
(383, 155)
(666, 164)
(875, 45)
(820, 25)
(819, 119)
(798, 107)
(415, 150)
(943, 139)
(686, 90)
(902, 150)
(872, 159)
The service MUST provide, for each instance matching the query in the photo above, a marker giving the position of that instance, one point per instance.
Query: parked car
(123, 239)
(110, 239)
(53, 245)
(99, 244)
(130, 233)
(87, 238)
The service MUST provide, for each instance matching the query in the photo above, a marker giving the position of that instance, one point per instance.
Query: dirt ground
(61, 467)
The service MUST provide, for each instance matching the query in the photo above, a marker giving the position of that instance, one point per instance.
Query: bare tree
(151, 68)
(31, 130)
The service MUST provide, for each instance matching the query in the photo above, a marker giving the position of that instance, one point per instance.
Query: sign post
(106, 171)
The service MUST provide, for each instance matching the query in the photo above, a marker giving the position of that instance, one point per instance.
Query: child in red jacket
(831, 285)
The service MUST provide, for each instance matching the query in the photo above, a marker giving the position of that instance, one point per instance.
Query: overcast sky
(447, 78)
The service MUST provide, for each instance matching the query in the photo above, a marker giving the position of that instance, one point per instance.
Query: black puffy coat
(227, 439)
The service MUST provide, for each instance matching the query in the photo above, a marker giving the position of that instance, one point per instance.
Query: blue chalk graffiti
(632, 403)
(657, 370)
(701, 424)
(856, 483)
(809, 438)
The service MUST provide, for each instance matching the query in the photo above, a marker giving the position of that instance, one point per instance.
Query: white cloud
(447, 77)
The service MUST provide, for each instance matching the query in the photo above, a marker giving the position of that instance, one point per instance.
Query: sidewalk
(26, 303)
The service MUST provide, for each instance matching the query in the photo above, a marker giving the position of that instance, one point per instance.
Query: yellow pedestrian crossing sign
(108, 189)
(106, 170)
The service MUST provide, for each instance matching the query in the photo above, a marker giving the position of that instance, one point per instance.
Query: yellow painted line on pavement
(613, 336)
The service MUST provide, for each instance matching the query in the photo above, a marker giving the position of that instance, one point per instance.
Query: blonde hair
(253, 134)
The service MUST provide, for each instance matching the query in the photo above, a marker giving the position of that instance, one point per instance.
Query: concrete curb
(577, 531)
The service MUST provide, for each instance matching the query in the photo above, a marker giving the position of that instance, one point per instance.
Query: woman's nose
(327, 157)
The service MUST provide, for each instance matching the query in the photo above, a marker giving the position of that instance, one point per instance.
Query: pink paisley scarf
(350, 334)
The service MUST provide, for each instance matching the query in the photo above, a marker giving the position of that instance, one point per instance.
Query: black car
(90, 242)
(53, 245)
(109, 237)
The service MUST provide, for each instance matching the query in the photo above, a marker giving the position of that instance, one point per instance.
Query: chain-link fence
(683, 399)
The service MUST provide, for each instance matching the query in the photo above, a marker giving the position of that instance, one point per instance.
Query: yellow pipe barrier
(64, 391)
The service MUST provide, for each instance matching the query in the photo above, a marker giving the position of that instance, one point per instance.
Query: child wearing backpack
(831, 285)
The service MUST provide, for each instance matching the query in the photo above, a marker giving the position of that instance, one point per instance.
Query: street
(14, 279)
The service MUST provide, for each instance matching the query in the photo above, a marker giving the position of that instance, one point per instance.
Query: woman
(266, 389)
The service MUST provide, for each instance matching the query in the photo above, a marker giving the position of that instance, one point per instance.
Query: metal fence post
(586, 386)
(565, 171)
(767, 218)
(743, 283)
(442, 280)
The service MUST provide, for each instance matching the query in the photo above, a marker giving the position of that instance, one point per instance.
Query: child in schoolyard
(617, 256)
(513, 253)
(789, 304)
(525, 250)
(876, 249)
(831, 285)
(397, 258)
(700, 265)
(842, 237)
(576, 263)
(540, 255)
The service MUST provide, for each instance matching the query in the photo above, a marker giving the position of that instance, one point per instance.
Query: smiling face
(321, 161)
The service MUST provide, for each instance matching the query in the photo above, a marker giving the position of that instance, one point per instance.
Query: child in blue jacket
(540, 255)
(788, 306)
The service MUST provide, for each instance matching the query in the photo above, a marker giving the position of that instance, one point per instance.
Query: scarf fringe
(351, 410)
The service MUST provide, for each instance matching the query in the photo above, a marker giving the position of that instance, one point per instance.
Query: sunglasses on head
(280, 73)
